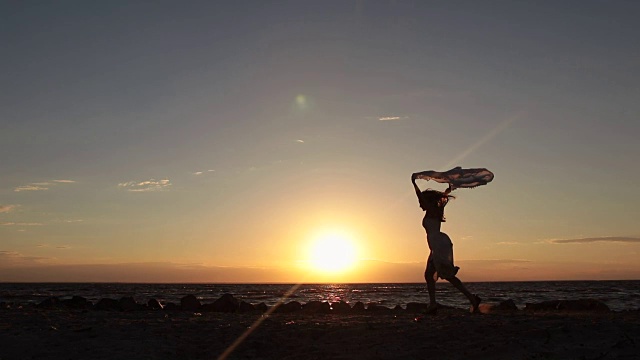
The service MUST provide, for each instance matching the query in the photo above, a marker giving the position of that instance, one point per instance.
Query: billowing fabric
(458, 177)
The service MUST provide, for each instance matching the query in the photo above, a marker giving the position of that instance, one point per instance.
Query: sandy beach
(30, 332)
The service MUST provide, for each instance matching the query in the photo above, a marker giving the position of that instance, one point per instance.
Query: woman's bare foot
(475, 303)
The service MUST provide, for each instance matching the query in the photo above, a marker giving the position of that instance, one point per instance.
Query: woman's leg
(473, 299)
(431, 282)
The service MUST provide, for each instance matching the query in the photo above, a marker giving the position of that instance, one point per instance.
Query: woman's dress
(441, 249)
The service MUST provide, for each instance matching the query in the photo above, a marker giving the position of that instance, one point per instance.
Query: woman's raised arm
(416, 188)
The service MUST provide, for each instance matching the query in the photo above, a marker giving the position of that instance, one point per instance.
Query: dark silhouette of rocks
(589, 305)
(506, 305)
(262, 307)
(358, 307)
(289, 307)
(229, 304)
(128, 303)
(374, 307)
(316, 307)
(106, 304)
(50, 303)
(171, 307)
(246, 307)
(190, 303)
(77, 302)
(340, 307)
(226, 303)
(154, 304)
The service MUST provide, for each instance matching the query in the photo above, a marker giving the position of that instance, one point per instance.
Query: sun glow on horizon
(332, 252)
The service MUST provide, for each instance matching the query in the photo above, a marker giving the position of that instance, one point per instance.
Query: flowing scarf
(458, 177)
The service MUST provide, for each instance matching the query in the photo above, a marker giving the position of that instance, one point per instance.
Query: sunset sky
(220, 141)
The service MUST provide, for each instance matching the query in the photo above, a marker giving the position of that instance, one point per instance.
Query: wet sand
(35, 333)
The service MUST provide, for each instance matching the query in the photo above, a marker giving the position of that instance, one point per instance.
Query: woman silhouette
(440, 261)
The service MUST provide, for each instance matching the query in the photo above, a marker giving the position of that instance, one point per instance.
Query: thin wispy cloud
(6, 208)
(31, 187)
(201, 172)
(13, 258)
(146, 186)
(507, 243)
(21, 224)
(495, 261)
(609, 239)
(392, 118)
(42, 186)
(300, 141)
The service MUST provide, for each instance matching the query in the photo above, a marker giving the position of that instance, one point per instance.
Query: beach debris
(190, 303)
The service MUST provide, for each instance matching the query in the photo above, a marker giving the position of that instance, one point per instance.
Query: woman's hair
(437, 197)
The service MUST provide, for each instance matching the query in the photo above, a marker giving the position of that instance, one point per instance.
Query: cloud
(41, 186)
(63, 247)
(14, 258)
(200, 172)
(6, 208)
(20, 224)
(507, 243)
(611, 239)
(392, 118)
(495, 261)
(146, 186)
(31, 187)
(300, 141)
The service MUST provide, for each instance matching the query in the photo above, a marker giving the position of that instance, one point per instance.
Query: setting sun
(332, 252)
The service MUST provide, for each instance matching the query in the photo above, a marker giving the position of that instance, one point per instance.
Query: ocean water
(618, 295)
